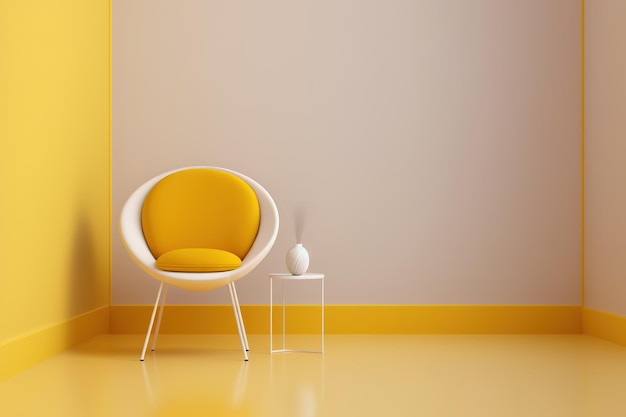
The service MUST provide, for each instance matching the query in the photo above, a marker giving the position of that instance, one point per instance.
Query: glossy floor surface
(359, 375)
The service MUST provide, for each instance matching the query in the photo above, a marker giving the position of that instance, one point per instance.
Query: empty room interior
(452, 167)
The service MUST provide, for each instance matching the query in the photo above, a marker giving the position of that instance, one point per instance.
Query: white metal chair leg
(239, 321)
(156, 304)
(158, 325)
(243, 328)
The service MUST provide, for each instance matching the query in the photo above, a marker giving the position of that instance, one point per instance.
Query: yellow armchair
(198, 228)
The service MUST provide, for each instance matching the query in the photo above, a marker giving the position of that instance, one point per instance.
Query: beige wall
(54, 165)
(605, 150)
(434, 146)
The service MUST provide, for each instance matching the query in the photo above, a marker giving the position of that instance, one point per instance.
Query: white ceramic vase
(297, 259)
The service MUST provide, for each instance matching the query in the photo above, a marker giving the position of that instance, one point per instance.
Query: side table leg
(271, 315)
(283, 290)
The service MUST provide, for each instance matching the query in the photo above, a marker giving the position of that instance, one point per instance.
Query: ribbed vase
(297, 259)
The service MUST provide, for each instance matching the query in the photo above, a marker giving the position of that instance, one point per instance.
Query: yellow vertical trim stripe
(582, 110)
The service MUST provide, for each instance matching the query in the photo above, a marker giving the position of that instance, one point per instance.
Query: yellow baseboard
(604, 325)
(26, 350)
(358, 319)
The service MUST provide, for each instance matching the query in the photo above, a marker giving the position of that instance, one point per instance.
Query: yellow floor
(359, 375)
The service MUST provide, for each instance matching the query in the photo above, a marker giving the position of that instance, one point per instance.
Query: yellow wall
(54, 164)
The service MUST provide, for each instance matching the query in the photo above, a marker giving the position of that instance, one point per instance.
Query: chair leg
(245, 338)
(156, 304)
(238, 319)
(158, 325)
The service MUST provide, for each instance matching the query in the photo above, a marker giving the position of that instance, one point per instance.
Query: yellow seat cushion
(200, 208)
(198, 260)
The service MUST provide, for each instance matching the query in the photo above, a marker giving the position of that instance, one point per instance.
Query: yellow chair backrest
(200, 208)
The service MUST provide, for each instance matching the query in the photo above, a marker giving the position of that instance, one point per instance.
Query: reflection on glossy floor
(359, 375)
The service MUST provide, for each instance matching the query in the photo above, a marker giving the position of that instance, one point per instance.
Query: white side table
(288, 277)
